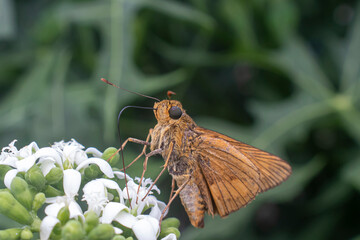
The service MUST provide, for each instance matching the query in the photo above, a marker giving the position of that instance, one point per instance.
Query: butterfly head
(168, 111)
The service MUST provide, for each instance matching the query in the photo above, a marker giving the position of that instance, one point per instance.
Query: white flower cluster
(72, 158)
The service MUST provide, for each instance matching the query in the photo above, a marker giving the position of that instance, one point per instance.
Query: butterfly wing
(236, 172)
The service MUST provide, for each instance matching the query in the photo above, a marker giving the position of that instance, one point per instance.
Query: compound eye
(175, 112)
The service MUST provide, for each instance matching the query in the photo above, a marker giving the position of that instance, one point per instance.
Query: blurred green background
(280, 75)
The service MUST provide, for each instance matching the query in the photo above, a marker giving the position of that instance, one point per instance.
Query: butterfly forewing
(236, 172)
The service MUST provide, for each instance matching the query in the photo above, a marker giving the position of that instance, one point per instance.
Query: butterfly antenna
(143, 95)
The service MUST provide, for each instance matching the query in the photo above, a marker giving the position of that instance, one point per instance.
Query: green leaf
(350, 173)
(14, 106)
(351, 117)
(350, 77)
(282, 19)
(7, 19)
(297, 60)
(238, 15)
(278, 120)
(178, 10)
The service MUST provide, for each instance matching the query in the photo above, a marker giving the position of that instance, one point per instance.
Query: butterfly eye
(175, 112)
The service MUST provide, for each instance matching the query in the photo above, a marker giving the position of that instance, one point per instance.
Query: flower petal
(9, 176)
(121, 175)
(94, 152)
(75, 210)
(72, 181)
(25, 164)
(126, 219)
(118, 230)
(157, 210)
(146, 228)
(49, 153)
(28, 150)
(46, 227)
(46, 165)
(111, 210)
(9, 160)
(103, 165)
(112, 185)
(54, 208)
(171, 236)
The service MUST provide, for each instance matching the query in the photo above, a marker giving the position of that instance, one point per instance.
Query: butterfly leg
(147, 156)
(172, 198)
(171, 146)
(146, 143)
(134, 140)
(172, 188)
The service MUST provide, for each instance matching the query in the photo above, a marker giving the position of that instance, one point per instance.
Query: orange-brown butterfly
(214, 173)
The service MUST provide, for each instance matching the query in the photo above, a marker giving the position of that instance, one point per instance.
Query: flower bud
(26, 234)
(118, 237)
(92, 171)
(35, 226)
(50, 191)
(11, 208)
(63, 215)
(170, 222)
(11, 233)
(67, 164)
(91, 220)
(20, 190)
(167, 231)
(73, 230)
(35, 177)
(3, 170)
(39, 200)
(108, 156)
(54, 176)
(102, 232)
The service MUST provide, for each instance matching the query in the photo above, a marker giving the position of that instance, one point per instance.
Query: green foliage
(280, 75)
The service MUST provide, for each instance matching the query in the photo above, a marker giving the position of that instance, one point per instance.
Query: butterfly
(215, 174)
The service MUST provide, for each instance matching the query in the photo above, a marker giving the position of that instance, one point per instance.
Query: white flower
(97, 196)
(73, 156)
(139, 202)
(144, 227)
(23, 158)
(72, 181)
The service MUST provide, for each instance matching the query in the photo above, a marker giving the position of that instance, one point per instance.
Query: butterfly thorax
(175, 140)
(174, 135)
